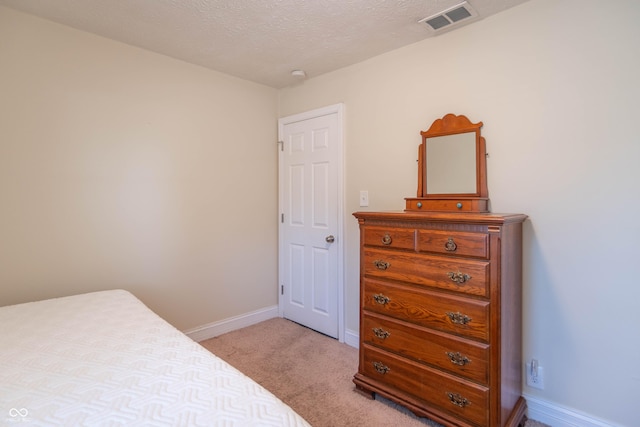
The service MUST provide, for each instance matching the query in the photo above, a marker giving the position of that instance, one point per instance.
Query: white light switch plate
(364, 198)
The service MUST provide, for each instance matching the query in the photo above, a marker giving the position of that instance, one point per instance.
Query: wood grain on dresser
(440, 314)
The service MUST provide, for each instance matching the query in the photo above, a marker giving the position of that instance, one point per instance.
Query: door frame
(282, 122)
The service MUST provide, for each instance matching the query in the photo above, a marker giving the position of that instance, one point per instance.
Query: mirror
(451, 167)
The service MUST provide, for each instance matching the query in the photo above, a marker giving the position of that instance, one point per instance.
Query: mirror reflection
(450, 165)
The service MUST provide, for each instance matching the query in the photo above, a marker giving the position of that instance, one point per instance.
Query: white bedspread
(105, 359)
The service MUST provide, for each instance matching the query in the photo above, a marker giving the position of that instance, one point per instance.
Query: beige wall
(121, 168)
(556, 85)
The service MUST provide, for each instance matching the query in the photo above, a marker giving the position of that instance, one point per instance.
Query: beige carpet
(311, 373)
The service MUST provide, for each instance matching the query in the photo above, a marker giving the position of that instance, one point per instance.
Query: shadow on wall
(545, 324)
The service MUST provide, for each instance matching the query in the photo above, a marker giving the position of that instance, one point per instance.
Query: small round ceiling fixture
(299, 74)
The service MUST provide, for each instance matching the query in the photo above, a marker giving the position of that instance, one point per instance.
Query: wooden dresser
(440, 314)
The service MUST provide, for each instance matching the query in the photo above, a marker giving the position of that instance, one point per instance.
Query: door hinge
(281, 289)
(282, 218)
(281, 144)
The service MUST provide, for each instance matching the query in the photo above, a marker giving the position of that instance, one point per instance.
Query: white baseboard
(214, 329)
(352, 338)
(558, 416)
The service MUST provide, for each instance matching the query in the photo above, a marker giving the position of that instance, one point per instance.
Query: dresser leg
(367, 393)
(518, 417)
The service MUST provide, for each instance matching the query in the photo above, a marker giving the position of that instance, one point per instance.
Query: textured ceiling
(258, 40)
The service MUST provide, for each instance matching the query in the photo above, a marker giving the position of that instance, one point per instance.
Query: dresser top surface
(434, 216)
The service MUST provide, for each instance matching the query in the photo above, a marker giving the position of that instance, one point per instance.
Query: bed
(105, 359)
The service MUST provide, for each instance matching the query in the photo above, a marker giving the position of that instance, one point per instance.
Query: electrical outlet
(535, 375)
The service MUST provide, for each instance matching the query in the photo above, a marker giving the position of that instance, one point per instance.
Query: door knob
(330, 239)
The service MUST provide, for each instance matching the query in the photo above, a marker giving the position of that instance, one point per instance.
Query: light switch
(364, 198)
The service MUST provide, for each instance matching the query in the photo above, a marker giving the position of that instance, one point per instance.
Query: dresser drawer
(449, 313)
(390, 237)
(453, 243)
(453, 274)
(453, 395)
(443, 351)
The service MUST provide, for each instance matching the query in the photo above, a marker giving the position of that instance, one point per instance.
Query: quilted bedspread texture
(105, 359)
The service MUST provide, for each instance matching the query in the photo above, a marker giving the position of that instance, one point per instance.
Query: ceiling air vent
(450, 16)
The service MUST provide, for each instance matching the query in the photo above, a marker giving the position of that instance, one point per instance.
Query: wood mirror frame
(476, 201)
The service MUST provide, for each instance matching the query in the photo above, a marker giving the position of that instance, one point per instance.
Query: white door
(310, 232)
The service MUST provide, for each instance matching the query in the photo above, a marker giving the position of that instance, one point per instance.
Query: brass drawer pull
(458, 400)
(457, 358)
(458, 277)
(381, 265)
(458, 318)
(381, 368)
(450, 246)
(381, 333)
(381, 299)
(386, 239)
